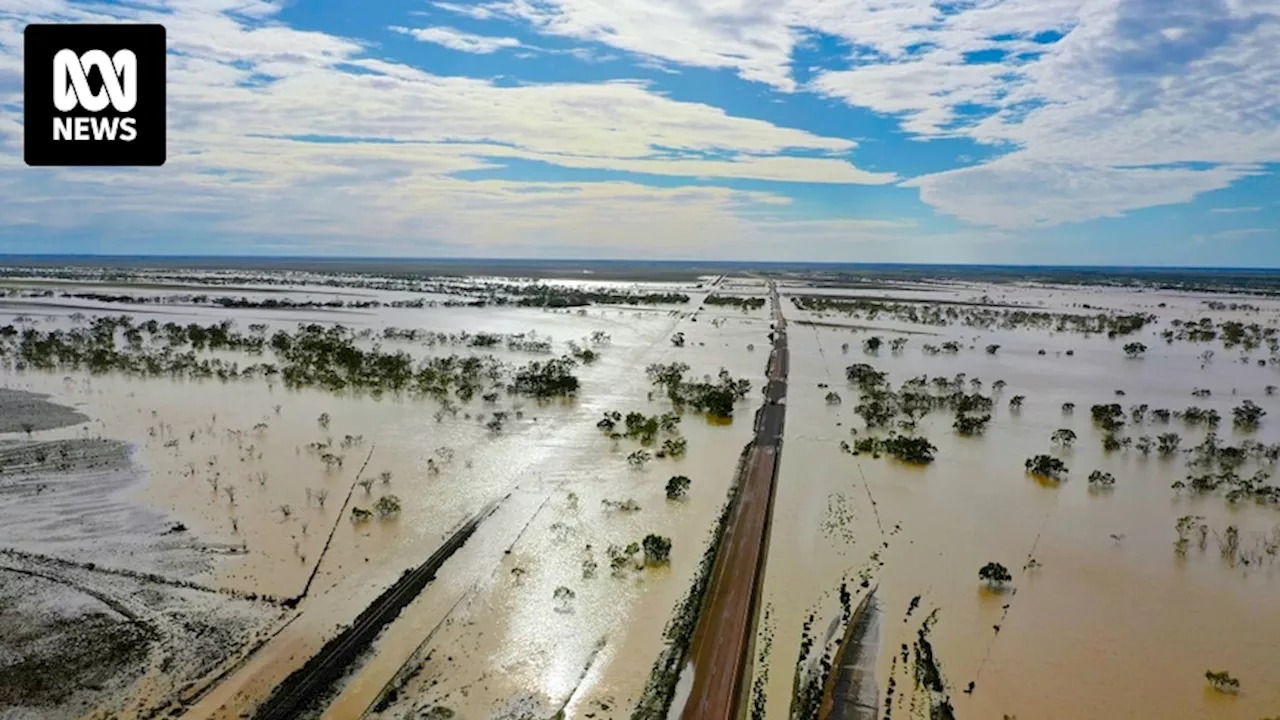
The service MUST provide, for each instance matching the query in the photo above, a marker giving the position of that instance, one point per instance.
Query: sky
(1083, 132)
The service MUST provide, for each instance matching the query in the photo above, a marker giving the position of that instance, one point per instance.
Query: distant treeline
(328, 357)
(520, 296)
(1215, 280)
(988, 318)
(742, 303)
(496, 291)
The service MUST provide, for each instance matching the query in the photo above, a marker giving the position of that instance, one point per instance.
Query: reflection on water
(507, 640)
(1111, 624)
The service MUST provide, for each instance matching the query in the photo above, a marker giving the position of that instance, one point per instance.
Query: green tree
(1134, 349)
(1046, 466)
(1222, 681)
(1100, 479)
(387, 505)
(994, 574)
(657, 549)
(1247, 416)
(677, 486)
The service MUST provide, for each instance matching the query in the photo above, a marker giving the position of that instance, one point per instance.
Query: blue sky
(1004, 131)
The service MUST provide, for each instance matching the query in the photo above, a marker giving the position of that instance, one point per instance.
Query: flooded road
(720, 656)
(1106, 622)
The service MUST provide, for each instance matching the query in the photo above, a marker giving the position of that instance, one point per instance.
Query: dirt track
(722, 642)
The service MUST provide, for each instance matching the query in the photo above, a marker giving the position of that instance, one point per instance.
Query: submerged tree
(657, 549)
(1108, 417)
(1222, 681)
(970, 425)
(677, 486)
(1063, 437)
(1099, 479)
(1167, 443)
(1144, 445)
(1046, 466)
(387, 505)
(1134, 349)
(994, 574)
(908, 449)
(1247, 416)
(564, 599)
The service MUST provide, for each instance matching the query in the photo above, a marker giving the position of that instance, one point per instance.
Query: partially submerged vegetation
(916, 450)
(496, 292)
(330, 357)
(656, 699)
(1235, 466)
(993, 317)
(742, 303)
(714, 397)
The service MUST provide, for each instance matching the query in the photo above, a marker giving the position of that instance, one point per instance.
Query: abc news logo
(94, 95)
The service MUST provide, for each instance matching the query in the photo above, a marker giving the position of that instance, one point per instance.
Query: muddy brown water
(1103, 629)
(544, 460)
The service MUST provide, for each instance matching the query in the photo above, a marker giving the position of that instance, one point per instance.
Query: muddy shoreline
(99, 609)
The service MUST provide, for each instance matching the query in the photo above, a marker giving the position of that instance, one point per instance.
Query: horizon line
(650, 261)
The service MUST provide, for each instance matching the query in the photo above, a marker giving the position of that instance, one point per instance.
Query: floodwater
(554, 464)
(1106, 627)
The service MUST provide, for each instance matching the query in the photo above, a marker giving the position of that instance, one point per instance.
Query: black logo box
(43, 41)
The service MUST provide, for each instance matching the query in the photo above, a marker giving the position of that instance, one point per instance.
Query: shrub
(387, 505)
(1046, 466)
(677, 486)
(994, 574)
(1100, 479)
(1222, 681)
(1134, 349)
(657, 549)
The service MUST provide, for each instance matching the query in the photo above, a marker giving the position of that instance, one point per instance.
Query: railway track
(307, 686)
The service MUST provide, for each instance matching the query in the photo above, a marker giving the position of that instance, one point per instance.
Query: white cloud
(996, 193)
(232, 168)
(1234, 210)
(477, 12)
(458, 40)
(1151, 84)
(748, 36)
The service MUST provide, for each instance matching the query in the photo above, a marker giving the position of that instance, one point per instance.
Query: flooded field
(219, 517)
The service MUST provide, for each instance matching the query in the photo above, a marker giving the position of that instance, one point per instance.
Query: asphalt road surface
(726, 626)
